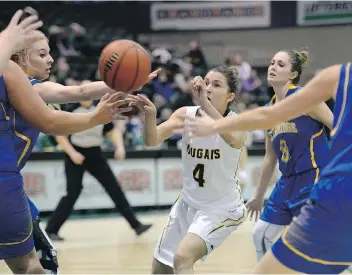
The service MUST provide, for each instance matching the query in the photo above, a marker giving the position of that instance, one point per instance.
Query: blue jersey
(341, 134)
(300, 144)
(8, 160)
(25, 136)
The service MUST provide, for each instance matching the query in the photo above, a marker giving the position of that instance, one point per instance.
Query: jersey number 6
(198, 174)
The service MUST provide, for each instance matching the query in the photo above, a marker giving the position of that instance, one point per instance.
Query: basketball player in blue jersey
(318, 240)
(34, 58)
(16, 93)
(299, 145)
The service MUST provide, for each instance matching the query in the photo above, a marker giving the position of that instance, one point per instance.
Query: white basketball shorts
(213, 226)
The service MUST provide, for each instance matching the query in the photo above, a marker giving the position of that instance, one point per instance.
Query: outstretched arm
(52, 92)
(318, 90)
(29, 104)
(154, 134)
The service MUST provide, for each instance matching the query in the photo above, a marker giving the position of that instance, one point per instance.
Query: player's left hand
(196, 126)
(199, 90)
(120, 154)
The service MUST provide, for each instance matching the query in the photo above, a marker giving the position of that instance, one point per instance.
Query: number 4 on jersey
(198, 174)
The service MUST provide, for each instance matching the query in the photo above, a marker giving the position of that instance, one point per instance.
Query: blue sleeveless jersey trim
(26, 135)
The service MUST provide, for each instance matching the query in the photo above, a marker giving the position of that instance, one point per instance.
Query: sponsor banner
(45, 184)
(210, 15)
(170, 177)
(324, 12)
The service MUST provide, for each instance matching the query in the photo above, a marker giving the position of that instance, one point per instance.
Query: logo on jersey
(201, 153)
(286, 127)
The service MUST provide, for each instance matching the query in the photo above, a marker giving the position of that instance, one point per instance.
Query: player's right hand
(142, 103)
(110, 107)
(255, 206)
(20, 33)
(77, 158)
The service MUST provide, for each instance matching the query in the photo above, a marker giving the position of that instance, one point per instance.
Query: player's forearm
(5, 56)
(259, 118)
(266, 174)
(150, 133)
(64, 123)
(65, 145)
(94, 90)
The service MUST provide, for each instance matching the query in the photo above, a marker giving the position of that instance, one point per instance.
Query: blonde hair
(298, 60)
(21, 56)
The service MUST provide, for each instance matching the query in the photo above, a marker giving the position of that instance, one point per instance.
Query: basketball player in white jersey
(210, 206)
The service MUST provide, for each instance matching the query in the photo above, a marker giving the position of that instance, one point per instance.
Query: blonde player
(210, 206)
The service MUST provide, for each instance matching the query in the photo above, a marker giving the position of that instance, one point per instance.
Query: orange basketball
(124, 65)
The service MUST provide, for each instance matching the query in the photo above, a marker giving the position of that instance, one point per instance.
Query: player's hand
(196, 126)
(77, 158)
(255, 206)
(199, 90)
(120, 154)
(110, 107)
(142, 103)
(20, 33)
(151, 76)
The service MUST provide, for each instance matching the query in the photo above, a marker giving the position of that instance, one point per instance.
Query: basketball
(124, 65)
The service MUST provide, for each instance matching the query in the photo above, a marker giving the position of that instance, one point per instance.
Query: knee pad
(44, 247)
(264, 234)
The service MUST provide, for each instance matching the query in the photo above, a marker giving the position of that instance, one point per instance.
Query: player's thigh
(214, 226)
(301, 189)
(173, 232)
(25, 264)
(16, 224)
(275, 210)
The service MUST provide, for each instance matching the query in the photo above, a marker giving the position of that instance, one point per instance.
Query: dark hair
(231, 75)
(233, 81)
(298, 61)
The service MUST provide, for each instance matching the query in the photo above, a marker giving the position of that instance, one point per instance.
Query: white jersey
(209, 171)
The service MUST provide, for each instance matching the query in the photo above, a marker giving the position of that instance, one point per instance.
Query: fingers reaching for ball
(142, 103)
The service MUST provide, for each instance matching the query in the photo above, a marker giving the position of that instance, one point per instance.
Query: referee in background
(83, 153)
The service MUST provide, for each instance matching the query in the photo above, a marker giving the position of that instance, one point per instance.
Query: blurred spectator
(61, 41)
(244, 69)
(252, 84)
(196, 57)
(61, 70)
(162, 87)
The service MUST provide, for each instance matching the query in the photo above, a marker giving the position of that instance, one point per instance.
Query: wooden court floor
(108, 246)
